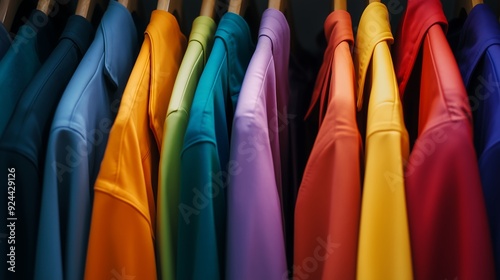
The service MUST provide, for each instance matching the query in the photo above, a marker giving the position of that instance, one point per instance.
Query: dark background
(306, 17)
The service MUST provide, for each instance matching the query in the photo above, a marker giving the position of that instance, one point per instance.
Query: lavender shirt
(256, 243)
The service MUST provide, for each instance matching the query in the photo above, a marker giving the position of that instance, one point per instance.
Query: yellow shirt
(384, 242)
(122, 231)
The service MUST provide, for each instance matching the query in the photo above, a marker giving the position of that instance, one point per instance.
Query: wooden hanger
(85, 8)
(237, 6)
(467, 5)
(208, 8)
(280, 5)
(340, 5)
(45, 6)
(8, 10)
(172, 6)
(131, 5)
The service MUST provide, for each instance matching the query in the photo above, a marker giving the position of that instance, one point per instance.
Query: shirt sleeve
(66, 207)
(490, 168)
(444, 194)
(200, 253)
(256, 246)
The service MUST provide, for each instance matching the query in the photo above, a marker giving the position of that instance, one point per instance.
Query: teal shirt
(205, 155)
(193, 63)
(30, 48)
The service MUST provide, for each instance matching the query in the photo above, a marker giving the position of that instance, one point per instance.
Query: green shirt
(200, 42)
(205, 154)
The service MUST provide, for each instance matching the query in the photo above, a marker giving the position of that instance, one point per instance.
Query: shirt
(33, 43)
(329, 199)
(477, 52)
(25, 138)
(205, 154)
(193, 63)
(77, 141)
(127, 183)
(384, 241)
(448, 225)
(255, 236)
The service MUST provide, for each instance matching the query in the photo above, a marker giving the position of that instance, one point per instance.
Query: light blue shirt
(77, 141)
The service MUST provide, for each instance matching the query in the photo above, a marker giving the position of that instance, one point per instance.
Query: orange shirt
(328, 203)
(121, 242)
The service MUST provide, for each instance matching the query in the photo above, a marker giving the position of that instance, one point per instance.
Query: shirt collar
(79, 31)
(420, 15)
(167, 45)
(120, 42)
(39, 28)
(233, 30)
(202, 32)
(338, 29)
(480, 31)
(373, 28)
(275, 26)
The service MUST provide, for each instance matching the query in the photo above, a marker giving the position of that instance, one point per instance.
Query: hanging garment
(255, 241)
(5, 40)
(329, 200)
(384, 242)
(477, 52)
(33, 43)
(77, 141)
(197, 52)
(448, 225)
(124, 213)
(205, 156)
(23, 143)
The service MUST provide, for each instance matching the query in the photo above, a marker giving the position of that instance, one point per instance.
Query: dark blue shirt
(477, 50)
(32, 45)
(23, 143)
(30, 48)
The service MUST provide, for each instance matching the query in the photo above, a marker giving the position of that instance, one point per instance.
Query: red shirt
(448, 227)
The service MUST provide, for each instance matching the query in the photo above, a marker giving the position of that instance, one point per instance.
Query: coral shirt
(329, 198)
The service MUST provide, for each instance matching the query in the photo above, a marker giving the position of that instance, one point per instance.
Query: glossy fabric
(124, 213)
(23, 143)
(384, 241)
(448, 225)
(477, 52)
(33, 43)
(193, 63)
(255, 240)
(329, 200)
(205, 156)
(77, 141)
